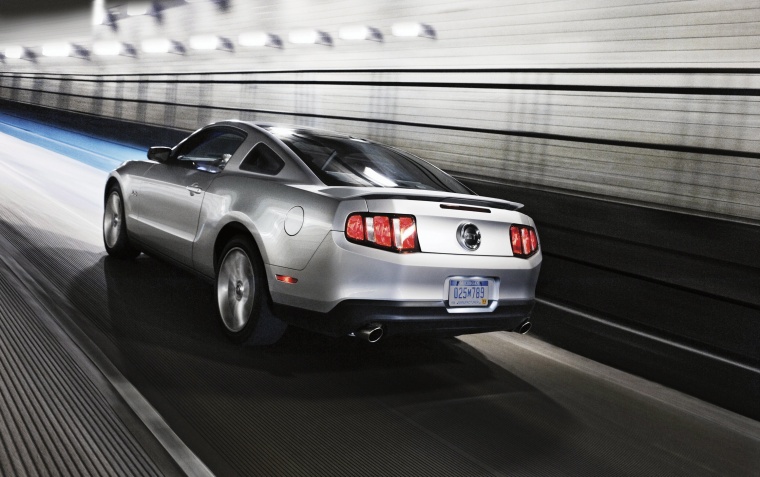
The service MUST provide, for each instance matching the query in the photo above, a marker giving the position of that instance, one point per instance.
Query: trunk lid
(449, 223)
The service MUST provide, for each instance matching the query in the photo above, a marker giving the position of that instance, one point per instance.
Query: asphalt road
(490, 404)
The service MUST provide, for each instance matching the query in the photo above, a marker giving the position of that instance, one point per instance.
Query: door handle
(194, 189)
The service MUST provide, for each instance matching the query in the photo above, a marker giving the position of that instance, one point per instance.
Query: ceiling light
(106, 48)
(211, 42)
(310, 37)
(20, 53)
(113, 48)
(360, 32)
(98, 12)
(413, 29)
(138, 8)
(260, 38)
(16, 52)
(156, 45)
(56, 49)
(204, 42)
(221, 4)
(162, 45)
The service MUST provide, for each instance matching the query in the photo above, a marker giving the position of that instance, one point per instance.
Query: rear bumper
(429, 318)
(342, 271)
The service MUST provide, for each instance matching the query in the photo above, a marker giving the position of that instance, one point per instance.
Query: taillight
(355, 227)
(397, 233)
(382, 230)
(524, 240)
(405, 232)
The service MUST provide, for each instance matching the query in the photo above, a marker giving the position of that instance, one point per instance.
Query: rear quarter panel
(261, 205)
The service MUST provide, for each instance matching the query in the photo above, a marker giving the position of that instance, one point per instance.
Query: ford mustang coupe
(327, 232)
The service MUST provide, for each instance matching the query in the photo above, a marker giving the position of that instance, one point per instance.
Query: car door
(171, 193)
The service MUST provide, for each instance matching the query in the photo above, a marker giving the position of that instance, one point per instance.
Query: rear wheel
(243, 297)
(115, 237)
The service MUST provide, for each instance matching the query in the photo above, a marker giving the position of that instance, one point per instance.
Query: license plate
(464, 292)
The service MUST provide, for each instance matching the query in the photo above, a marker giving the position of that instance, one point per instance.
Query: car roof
(281, 129)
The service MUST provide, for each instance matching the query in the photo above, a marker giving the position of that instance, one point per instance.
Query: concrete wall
(646, 101)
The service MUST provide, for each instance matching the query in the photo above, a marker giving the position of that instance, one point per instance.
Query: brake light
(383, 231)
(524, 240)
(405, 232)
(397, 233)
(355, 227)
(533, 240)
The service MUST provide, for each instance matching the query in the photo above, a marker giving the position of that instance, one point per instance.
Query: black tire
(115, 235)
(243, 296)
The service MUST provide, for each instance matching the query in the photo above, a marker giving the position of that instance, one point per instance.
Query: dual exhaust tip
(524, 328)
(373, 332)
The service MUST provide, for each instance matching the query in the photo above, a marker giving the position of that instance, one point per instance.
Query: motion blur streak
(492, 404)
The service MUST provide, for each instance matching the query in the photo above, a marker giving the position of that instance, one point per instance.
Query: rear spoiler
(479, 202)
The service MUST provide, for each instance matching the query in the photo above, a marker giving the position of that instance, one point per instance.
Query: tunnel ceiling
(23, 8)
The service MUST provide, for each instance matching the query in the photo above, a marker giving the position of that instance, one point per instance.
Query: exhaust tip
(525, 327)
(371, 333)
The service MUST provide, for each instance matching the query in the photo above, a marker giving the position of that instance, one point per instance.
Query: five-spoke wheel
(242, 295)
(115, 235)
(235, 288)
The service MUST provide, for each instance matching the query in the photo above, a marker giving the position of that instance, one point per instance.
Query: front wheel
(115, 236)
(242, 296)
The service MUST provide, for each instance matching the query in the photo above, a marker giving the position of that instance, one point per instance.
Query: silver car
(327, 232)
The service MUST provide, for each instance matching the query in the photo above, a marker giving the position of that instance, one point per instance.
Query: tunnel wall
(642, 101)
(618, 123)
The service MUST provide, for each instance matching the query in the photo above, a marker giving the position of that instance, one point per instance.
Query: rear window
(358, 163)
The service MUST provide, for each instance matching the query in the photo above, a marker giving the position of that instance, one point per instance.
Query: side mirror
(159, 153)
(222, 161)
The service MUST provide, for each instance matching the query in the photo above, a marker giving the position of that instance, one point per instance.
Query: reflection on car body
(327, 232)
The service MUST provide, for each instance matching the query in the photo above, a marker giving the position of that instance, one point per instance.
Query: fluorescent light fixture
(98, 12)
(260, 38)
(413, 29)
(16, 52)
(152, 8)
(204, 42)
(162, 45)
(222, 4)
(360, 32)
(138, 8)
(56, 49)
(211, 42)
(156, 45)
(113, 48)
(305, 37)
(20, 53)
(107, 48)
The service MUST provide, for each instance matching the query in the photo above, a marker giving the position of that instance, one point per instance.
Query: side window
(212, 145)
(262, 160)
